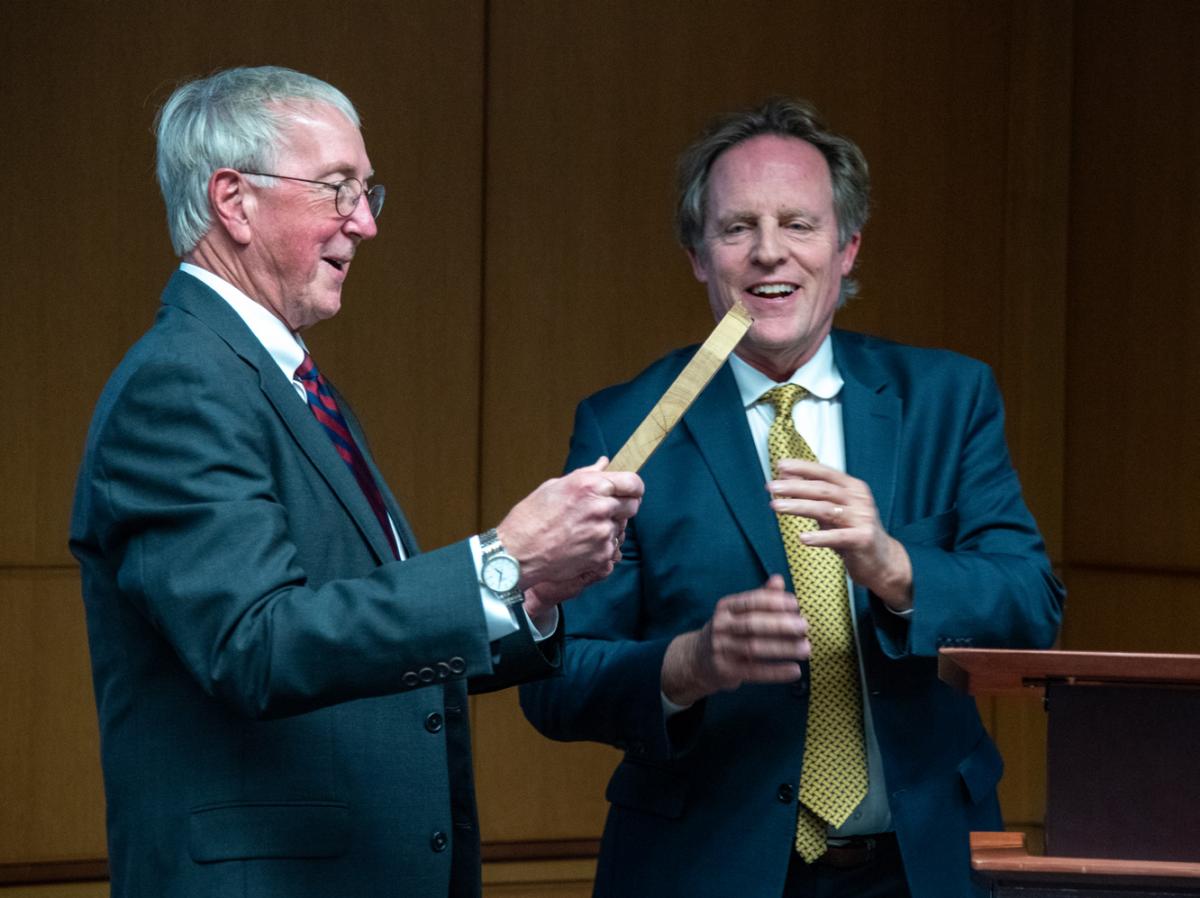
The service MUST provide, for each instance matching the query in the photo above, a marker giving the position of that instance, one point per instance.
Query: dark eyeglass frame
(341, 189)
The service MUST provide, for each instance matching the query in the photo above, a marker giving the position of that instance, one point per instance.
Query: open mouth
(339, 264)
(773, 291)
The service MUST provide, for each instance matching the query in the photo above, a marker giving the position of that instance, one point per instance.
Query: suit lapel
(198, 300)
(870, 422)
(717, 423)
(871, 427)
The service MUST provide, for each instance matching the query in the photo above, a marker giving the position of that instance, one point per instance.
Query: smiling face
(300, 249)
(771, 240)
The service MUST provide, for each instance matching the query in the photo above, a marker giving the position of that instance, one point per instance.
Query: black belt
(855, 851)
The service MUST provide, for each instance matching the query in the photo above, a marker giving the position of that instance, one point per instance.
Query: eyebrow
(345, 170)
(781, 214)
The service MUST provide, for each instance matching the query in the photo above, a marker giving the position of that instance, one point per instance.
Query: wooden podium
(1122, 772)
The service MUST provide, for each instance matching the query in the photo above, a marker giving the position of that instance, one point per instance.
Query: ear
(850, 253)
(699, 264)
(232, 205)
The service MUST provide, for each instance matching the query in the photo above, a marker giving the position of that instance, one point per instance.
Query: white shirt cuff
(670, 709)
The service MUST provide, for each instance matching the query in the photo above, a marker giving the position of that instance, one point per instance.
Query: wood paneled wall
(1132, 529)
(1036, 205)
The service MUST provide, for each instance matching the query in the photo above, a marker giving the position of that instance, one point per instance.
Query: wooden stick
(683, 392)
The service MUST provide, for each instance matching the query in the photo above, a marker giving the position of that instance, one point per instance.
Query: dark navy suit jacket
(283, 707)
(704, 807)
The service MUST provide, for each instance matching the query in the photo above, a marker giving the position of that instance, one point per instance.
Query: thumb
(775, 582)
(598, 465)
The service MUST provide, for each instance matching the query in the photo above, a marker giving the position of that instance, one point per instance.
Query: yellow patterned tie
(833, 775)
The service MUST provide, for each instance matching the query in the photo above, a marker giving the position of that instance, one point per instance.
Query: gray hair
(785, 117)
(231, 119)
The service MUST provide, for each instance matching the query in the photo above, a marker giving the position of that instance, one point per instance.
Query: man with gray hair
(831, 510)
(281, 677)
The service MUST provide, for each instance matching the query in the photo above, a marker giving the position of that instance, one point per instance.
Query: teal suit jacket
(705, 805)
(282, 706)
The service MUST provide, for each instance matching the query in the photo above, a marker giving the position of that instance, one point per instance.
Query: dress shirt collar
(819, 375)
(286, 348)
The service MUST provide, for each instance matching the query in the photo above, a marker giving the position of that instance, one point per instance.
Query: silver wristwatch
(500, 572)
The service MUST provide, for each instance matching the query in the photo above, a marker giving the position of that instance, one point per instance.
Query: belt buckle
(849, 853)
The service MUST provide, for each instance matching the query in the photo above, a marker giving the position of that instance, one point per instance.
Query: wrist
(540, 614)
(895, 589)
(680, 681)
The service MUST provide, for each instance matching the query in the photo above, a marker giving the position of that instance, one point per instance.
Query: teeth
(772, 289)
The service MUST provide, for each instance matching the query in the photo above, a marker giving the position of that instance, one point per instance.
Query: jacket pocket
(285, 829)
(981, 770)
(935, 530)
(652, 790)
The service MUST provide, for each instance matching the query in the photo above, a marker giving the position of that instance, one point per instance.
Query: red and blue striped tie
(324, 407)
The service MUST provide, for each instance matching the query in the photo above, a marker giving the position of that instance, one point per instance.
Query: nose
(768, 245)
(361, 222)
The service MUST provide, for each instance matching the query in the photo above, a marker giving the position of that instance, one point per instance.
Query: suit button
(786, 793)
(438, 841)
(433, 722)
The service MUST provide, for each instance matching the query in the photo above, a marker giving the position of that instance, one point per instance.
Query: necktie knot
(308, 369)
(783, 397)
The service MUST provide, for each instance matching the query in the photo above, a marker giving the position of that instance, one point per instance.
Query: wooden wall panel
(1133, 433)
(1019, 727)
(532, 789)
(57, 890)
(1113, 610)
(1031, 365)
(51, 795)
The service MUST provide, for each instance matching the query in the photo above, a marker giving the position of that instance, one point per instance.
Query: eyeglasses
(346, 194)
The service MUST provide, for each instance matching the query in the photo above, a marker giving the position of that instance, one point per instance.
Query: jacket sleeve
(609, 689)
(981, 577)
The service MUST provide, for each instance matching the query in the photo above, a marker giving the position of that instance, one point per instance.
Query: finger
(775, 583)
(626, 483)
(799, 488)
(825, 513)
(843, 540)
(764, 649)
(616, 547)
(624, 509)
(781, 621)
(771, 672)
(811, 470)
(760, 601)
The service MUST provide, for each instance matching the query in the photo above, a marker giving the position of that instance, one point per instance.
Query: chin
(327, 309)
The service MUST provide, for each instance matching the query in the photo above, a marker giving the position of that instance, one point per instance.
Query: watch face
(501, 573)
